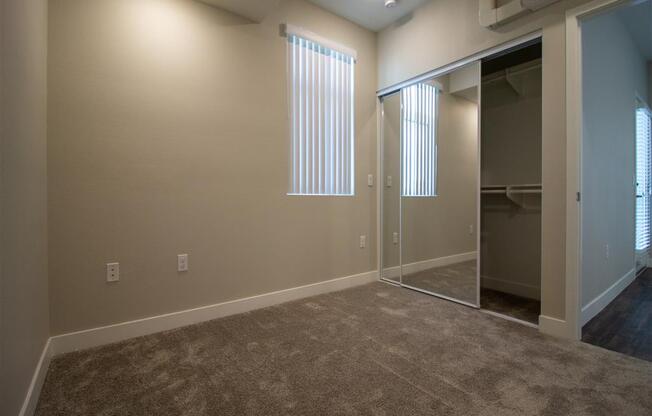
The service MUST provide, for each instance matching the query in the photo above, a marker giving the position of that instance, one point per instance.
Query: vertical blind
(321, 94)
(643, 182)
(419, 105)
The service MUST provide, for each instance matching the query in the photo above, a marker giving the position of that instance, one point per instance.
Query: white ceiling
(371, 14)
(638, 20)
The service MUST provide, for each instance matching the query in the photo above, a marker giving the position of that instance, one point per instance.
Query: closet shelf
(515, 193)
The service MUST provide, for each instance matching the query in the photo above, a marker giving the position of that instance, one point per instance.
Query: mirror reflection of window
(419, 140)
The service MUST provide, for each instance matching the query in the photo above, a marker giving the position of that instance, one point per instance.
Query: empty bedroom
(325, 207)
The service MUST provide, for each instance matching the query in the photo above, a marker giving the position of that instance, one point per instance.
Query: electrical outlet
(389, 182)
(395, 238)
(112, 272)
(471, 229)
(363, 241)
(182, 263)
(370, 180)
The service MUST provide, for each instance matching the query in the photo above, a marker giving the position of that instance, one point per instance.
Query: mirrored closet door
(391, 188)
(430, 162)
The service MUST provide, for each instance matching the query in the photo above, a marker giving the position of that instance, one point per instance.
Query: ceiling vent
(492, 15)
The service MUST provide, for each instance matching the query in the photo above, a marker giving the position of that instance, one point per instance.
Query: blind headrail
(287, 29)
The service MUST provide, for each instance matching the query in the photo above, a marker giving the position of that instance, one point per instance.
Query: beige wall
(168, 134)
(615, 73)
(24, 321)
(443, 31)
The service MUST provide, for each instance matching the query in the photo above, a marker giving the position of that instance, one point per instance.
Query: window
(419, 105)
(321, 100)
(643, 172)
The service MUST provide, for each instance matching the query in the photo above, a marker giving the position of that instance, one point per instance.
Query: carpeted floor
(511, 305)
(458, 281)
(371, 350)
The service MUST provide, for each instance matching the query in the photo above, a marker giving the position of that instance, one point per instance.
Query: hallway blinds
(643, 182)
(321, 100)
(419, 105)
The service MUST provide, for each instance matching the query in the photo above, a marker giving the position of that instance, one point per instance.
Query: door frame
(384, 92)
(574, 147)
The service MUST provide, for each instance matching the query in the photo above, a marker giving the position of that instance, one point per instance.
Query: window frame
(330, 171)
(641, 106)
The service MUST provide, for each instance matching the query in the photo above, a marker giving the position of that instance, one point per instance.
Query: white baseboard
(605, 298)
(394, 272)
(556, 327)
(518, 289)
(34, 390)
(114, 333)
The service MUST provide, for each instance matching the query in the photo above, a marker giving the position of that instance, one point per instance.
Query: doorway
(616, 284)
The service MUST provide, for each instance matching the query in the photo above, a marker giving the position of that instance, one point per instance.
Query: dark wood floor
(626, 324)
(511, 305)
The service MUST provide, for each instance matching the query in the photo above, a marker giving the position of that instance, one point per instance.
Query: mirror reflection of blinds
(643, 180)
(321, 100)
(419, 106)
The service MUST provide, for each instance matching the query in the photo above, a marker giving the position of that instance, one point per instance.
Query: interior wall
(168, 134)
(649, 82)
(511, 155)
(412, 47)
(24, 315)
(615, 72)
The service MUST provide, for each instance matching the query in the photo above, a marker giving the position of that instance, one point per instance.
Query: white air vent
(493, 16)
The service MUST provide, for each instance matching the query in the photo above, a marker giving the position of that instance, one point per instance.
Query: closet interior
(460, 204)
(510, 237)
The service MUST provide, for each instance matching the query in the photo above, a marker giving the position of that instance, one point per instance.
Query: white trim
(460, 63)
(288, 29)
(555, 327)
(34, 390)
(393, 272)
(515, 288)
(122, 331)
(605, 298)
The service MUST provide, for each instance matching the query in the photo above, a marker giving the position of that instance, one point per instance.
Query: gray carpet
(458, 281)
(372, 350)
(525, 309)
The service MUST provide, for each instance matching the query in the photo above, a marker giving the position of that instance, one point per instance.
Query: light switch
(370, 180)
(182, 263)
(389, 181)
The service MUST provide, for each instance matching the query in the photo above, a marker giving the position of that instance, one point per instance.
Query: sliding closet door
(390, 185)
(439, 185)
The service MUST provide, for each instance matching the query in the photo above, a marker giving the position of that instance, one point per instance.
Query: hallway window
(419, 105)
(321, 100)
(643, 172)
